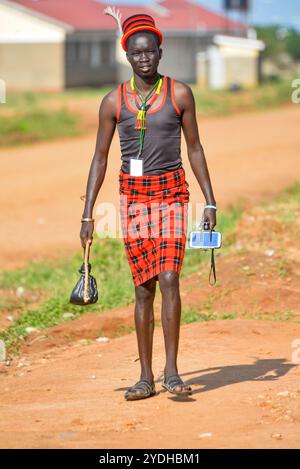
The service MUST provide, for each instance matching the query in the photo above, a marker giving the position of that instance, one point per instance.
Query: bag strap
(203, 226)
(86, 296)
(212, 267)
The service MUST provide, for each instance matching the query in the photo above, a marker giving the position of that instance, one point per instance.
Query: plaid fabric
(153, 213)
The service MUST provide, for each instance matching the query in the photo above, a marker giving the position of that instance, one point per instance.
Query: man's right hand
(86, 233)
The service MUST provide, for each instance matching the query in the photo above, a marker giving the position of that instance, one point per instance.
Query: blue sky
(283, 12)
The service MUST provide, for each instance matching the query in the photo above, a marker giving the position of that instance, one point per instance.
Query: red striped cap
(139, 22)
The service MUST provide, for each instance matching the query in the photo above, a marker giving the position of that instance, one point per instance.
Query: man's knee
(145, 292)
(168, 279)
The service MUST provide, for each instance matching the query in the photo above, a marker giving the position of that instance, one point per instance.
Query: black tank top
(161, 152)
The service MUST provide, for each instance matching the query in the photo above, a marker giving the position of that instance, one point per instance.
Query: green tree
(271, 38)
(292, 43)
(278, 40)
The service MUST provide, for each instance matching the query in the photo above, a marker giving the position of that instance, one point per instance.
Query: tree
(293, 44)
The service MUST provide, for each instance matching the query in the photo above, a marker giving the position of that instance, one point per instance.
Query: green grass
(274, 316)
(55, 279)
(210, 102)
(225, 102)
(189, 315)
(58, 278)
(110, 268)
(32, 119)
(20, 101)
(285, 206)
(291, 194)
(36, 125)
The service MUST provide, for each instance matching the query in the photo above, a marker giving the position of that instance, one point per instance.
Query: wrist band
(211, 206)
(87, 219)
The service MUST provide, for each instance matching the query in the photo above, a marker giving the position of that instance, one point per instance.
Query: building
(230, 61)
(55, 44)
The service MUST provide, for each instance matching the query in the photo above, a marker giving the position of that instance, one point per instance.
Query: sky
(283, 12)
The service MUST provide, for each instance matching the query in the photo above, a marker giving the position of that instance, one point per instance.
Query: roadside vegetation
(32, 117)
(37, 296)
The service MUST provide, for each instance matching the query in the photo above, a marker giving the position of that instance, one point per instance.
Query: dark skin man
(144, 55)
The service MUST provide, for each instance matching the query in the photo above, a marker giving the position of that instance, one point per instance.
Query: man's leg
(170, 316)
(144, 323)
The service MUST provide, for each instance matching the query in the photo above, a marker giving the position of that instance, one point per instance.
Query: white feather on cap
(117, 15)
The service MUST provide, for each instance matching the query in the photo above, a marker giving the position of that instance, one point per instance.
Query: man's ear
(160, 53)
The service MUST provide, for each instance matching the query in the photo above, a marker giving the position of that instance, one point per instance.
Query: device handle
(205, 225)
(212, 268)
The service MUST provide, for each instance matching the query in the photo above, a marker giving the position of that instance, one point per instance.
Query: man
(157, 167)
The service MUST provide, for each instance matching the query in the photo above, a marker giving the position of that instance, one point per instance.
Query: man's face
(143, 54)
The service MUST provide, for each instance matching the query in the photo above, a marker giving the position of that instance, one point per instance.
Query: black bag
(85, 291)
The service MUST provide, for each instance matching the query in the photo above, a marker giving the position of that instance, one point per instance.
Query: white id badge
(136, 167)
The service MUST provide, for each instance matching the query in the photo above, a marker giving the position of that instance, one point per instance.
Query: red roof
(88, 14)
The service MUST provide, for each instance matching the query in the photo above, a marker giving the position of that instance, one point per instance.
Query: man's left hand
(209, 216)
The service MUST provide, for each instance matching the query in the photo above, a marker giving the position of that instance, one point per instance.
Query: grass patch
(282, 268)
(27, 117)
(274, 316)
(37, 125)
(190, 315)
(57, 280)
(285, 207)
(122, 330)
(225, 102)
(20, 101)
(289, 195)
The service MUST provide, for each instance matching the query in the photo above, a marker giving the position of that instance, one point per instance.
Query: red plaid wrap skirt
(153, 215)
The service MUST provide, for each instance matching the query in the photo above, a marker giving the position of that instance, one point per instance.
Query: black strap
(212, 267)
(212, 257)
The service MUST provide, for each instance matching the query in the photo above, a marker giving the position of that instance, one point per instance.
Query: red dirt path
(246, 393)
(67, 392)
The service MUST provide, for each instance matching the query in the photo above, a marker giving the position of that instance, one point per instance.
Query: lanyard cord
(144, 100)
(142, 127)
(144, 108)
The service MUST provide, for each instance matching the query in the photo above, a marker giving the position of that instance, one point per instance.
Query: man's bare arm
(194, 147)
(186, 103)
(106, 129)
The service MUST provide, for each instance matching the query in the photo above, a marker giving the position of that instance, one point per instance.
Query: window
(95, 59)
(84, 51)
(108, 52)
(72, 48)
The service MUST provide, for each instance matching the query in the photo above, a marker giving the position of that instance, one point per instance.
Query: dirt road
(250, 157)
(66, 390)
(246, 393)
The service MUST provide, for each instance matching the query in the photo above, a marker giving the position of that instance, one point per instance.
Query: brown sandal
(143, 385)
(173, 382)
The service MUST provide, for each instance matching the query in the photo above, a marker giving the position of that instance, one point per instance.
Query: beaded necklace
(140, 123)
